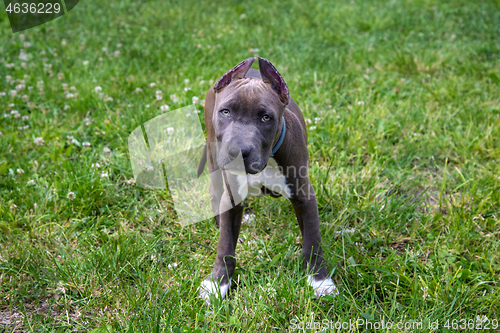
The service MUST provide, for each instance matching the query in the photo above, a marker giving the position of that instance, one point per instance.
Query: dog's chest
(269, 181)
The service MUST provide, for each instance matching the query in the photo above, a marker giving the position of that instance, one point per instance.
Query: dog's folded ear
(272, 76)
(238, 72)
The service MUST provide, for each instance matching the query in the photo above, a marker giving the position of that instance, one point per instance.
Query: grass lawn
(404, 142)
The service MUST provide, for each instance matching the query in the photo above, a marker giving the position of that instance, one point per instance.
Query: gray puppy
(252, 112)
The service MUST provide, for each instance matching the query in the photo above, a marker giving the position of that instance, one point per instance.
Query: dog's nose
(233, 151)
(245, 152)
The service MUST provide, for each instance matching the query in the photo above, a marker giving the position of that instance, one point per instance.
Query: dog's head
(248, 114)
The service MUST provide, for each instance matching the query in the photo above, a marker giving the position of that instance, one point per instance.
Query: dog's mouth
(239, 172)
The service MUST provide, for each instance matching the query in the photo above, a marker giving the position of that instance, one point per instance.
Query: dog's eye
(225, 112)
(266, 118)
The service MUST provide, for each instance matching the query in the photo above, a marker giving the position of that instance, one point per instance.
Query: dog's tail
(203, 161)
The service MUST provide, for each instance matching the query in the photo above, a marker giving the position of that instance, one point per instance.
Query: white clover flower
(66, 108)
(60, 76)
(164, 108)
(26, 117)
(98, 89)
(317, 119)
(195, 99)
(10, 65)
(20, 171)
(8, 78)
(197, 111)
(22, 37)
(187, 88)
(253, 50)
(361, 103)
(186, 81)
(152, 84)
(3, 93)
(39, 84)
(87, 121)
(202, 103)
(39, 141)
(86, 144)
(70, 95)
(119, 45)
(13, 93)
(159, 95)
(30, 182)
(312, 128)
(117, 53)
(108, 99)
(27, 44)
(95, 165)
(170, 130)
(174, 98)
(23, 56)
(106, 150)
(308, 121)
(138, 90)
(147, 105)
(104, 49)
(65, 86)
(71, 195)
(104, 174)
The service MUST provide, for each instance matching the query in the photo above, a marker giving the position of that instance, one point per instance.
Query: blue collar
(280, 140)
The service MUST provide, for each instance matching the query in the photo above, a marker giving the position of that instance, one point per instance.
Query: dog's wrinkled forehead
(248, 93)
(271, 80)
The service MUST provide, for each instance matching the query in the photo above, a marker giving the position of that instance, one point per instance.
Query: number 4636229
(38, 8)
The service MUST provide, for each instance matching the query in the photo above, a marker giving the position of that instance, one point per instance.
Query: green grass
(406, 157)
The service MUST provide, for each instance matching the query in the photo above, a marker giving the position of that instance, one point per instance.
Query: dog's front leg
(219, 282)
(306, 209)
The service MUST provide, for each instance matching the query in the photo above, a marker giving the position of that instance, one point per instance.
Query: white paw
(322, 287)
(209, 288)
